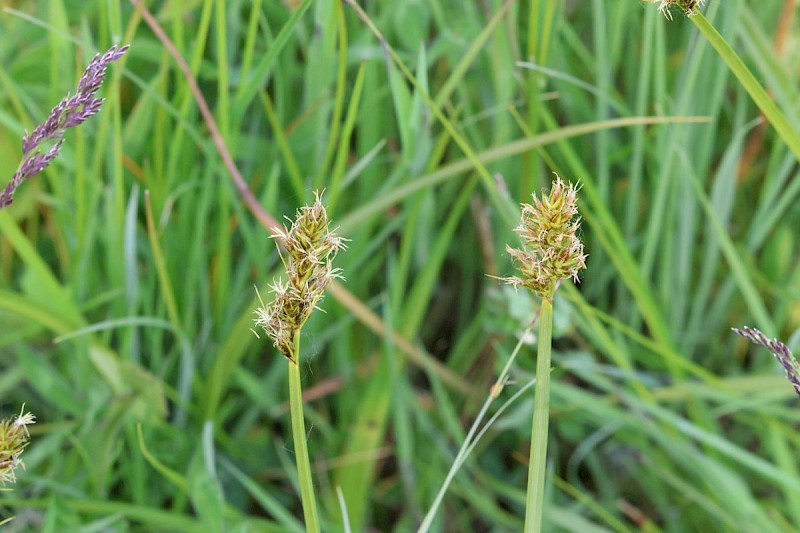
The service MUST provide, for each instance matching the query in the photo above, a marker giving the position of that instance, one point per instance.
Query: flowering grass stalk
(781, 352)
(310, 249)
(551, 252)
(70, 112)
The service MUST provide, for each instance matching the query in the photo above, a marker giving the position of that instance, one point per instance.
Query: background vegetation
(127, 270)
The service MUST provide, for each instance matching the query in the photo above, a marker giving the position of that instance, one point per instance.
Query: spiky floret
(688, 6)
(310, 249)
(14, 438)
(551, 249)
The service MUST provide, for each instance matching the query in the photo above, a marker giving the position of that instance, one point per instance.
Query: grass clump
(427, 123)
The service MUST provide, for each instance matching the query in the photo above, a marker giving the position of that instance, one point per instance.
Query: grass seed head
(310, 247)
(551, 249)
(688, 6)
(14, 438)
(70, 112)
(781, 352)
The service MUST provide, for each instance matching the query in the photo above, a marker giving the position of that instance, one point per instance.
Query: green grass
(159, 410)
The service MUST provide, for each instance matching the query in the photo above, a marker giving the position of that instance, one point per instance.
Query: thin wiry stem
(472, 435)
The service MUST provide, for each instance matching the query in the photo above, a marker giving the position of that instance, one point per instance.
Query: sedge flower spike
(551, 249)
(14, 438)
(70, 112)
(781, 352)
(688, 6)
(310, 249)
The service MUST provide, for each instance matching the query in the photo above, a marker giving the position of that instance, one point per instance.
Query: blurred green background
(127, 270)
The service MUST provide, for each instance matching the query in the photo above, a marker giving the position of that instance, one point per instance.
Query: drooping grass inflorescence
(781, 352)
(551, 252)
(70, 112)
(14, 438)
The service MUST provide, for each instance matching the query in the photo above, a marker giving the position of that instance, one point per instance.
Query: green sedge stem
(299, 436)
(750, 83)
(534, 500)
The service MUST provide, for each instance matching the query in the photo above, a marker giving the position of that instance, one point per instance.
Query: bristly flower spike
(14, 438)
(70, 112)
(310, 247)
(551, 249)
(688, 6)
(781, 352)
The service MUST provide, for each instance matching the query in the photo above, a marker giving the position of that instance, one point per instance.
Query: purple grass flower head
(781, 352)
(71, 111)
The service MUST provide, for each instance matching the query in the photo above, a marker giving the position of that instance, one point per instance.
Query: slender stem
(767, 106)
(299, 436)
(470, 440)
(541, 414)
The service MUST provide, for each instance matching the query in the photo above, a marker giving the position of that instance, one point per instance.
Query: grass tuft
(127, 265)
